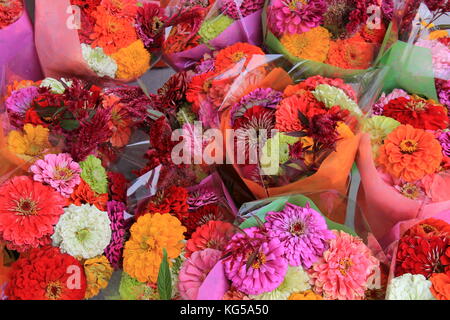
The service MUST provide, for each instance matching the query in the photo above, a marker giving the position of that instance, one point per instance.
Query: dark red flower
(172, 93)
(134, 100)
(47, 274)
(150, 25)
(88, 6)
(210, 212)
(296, 151)
(417, 255)
(417, 112)
(322, 127)
(117, 186)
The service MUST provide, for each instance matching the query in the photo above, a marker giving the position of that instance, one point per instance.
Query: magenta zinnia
(255, 263)
(59, 171)
(303, 233)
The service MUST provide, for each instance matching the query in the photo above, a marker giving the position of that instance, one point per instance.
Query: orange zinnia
(353, 53)
(441, 286)
(83, 194)
(111, 33)
(228, 57)
(410, 153)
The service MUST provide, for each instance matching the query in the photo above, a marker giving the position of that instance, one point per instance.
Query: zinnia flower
(150, 22)
(418, 255)
(201, 198)
(228, 57)
(149, 236)
(410, 154)
(409, 287)
(429, 228)
(295, 16)
(83, 194)
(214, 235)
(98, 272)
(343, 271)
(332, 96)
(10, 11)
(440, 54)
(417, 112)
(46, 274)
(379, 127)
(82, 231)
(378, 107)
(28, 211)
(353, 53)
(440, 286)
(18, 103)
(311, 45)
(56, 86)
(121, 8)
(443, 89)
(213, 27)
(114, 250)
(303, 233)
(98, 61)
(94, 174)
(233, 294)
(296, 280)
(117, 186)
(59, 171)
(32, 142)
(246, 7)
(194, 271)
(306, 295)
(256, 263)
(132, 61)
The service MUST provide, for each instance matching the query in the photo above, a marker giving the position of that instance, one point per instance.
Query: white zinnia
(333, 96)
(82, 231)
(409, 287)
(295, 280)
(102, 64)
(56, 86)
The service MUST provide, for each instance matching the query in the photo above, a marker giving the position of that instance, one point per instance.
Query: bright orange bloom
(132, 61)
(110, 32)
(121, 8)
(306, 295)
(311, 45)
(228, 57)
(410, 153)
(120, 123)
(83, 194)
(441, 286)
(353, 53)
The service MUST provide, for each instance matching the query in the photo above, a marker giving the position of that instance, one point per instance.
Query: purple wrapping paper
(17, 50)
(215, 284)
(247, 30)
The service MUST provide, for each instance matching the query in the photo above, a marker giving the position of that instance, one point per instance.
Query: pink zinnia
(343, 271)
(59, 171)
(303, 233)
(295, 16)
(194, 271)
(256, 263)
(378, 107)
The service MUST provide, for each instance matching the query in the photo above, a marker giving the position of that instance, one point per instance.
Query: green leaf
(69, 124)
(164, 279)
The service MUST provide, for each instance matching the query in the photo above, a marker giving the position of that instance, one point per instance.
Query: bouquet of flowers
(16, 34)
(421, 259)
(212, 25)
(330, 36)
(287, 250)
(96, 39)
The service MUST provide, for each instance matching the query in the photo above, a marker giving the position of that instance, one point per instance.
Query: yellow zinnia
(98, 271)
(132, 61)
(149, 236)
(33, 141)
(311, 45)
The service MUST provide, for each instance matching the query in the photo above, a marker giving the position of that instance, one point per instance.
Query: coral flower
(256, 263)
(10, 11)
(429, 228)
(344, 270)
(214, 235)
(311, 45)
(28, 211)
(132, 61)
(32, 142)
(47, 274)
(83, 194)
(353, 53)
(198, 89)
(149, 236)
(440, 286)
(287, 119)
(228, 57)
(98, 272)
(410, 153)
(121, 8)
(195, 270)
(303, 233)
(110, 32)
(417, 112)
(59, 171)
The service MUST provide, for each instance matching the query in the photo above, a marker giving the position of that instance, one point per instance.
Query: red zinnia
(203, 215)
(214, 235)
(430, 227)
(117, 185)
(417, 112)
(418, 255)
(28, 211)
(198, 89)
(47, 274)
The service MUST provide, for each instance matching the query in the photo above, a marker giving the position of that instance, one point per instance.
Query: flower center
(53, 290)
(295, 5)
(207, 85)
(408, 146)
(82, 234)
(410, 191)
(260, 259)
(344, 265)
(416, 105)
(157, 24)
(26, 207)
(148, 243)
(297, 229)
(428, 229)
(63, 173)
(238, 56)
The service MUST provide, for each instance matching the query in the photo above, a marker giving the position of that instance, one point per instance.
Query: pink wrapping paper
(382, 205)
(247, 30)
(17, 51)
(215, 284)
